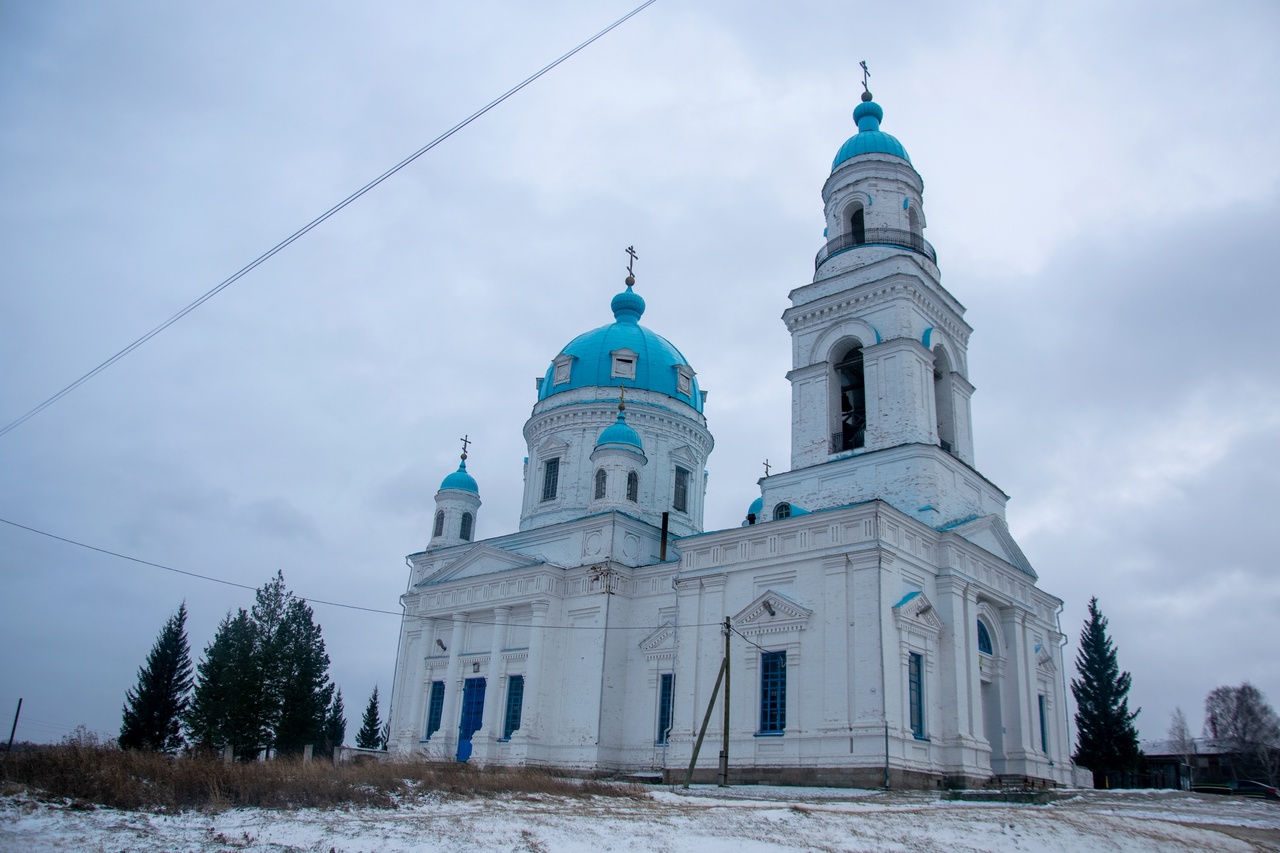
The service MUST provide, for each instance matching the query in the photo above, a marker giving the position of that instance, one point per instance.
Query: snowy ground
(735, 820)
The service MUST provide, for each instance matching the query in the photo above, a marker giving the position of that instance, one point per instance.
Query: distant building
(885, 624)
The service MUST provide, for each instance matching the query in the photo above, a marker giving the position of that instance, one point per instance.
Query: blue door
(472, 715)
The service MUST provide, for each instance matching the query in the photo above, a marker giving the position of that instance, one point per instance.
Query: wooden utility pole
(697, 747)
(724, 749)
(13, 731)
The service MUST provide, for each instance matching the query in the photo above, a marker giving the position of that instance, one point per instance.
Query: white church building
(885, 628)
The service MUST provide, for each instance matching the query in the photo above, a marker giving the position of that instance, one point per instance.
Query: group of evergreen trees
(263, 684)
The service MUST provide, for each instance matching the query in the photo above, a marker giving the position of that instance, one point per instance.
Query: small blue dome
(619, 432)
(461, 480)
(869, 139)
(656, 365)
(757, 506)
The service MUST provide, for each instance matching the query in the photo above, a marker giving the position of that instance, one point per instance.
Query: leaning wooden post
(724, 750)
(705, 720)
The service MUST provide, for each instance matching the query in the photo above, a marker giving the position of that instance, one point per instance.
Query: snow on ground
(732, 820)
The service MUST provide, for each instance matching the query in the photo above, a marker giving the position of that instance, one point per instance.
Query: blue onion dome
(757, 507)
(461, 480)
(869, 139)
(619, 432)
(654, 363)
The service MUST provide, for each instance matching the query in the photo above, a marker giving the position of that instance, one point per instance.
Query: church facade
(883, 627)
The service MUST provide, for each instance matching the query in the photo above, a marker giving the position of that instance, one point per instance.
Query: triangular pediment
(480, 560)
(550, 446)
(916, 608)
(991, 534)
(1044, 659)
(771, 612)
(662, 638)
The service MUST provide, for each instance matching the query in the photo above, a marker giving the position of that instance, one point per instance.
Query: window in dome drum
(602, 480)
(633, 486)
(467, 522)
(680, 501)
(550, 479)
(624, 364)
(439, 528)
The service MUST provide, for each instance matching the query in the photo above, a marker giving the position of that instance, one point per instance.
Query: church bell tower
(880, 388)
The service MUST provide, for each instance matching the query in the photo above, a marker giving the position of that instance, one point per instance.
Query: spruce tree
(153, 710)
(226, 708)
(335, 724)
(1108, 740)
(370, 734)
(305, 692)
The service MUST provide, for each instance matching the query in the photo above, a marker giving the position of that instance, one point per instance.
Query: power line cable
(323, 601)
(245, 270)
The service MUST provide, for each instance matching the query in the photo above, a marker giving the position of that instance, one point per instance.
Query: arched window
(602, 480)
(439, 528)
(857, 226)
(468, 521)
(943, 402)
(852, 411)
(984, 639)
(633, 486)
(781, 511)
(913, 223)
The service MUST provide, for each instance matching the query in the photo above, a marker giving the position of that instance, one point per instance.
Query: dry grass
(105, 775)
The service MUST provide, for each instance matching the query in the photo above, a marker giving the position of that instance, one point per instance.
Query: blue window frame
(1044, 726)
(915, 687)
(773, 692)
(666, 696)
(515, 704)
(435, 707)
(984, 639)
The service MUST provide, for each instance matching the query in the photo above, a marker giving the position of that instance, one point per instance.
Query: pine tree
(153, 710)
(370, 734)
(335, 724)
(1108, 740)
(226, 708)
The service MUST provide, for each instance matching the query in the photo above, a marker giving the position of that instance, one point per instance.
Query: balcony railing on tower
(876, 237)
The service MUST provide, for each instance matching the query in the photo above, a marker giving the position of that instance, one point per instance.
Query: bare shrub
(93, 773)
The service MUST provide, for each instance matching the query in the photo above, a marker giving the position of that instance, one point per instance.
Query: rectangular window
(550, 479)
(773, 692)
(680, 501)
(666, 695)
(435, 708)
(1044, 727)
(515, 704)
(915, 686)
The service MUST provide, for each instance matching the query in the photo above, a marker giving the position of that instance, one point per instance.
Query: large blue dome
(869, 139)
(656, 364)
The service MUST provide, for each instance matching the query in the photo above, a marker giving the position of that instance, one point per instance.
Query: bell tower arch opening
(857, 225)
(944, 399)
(849, 409)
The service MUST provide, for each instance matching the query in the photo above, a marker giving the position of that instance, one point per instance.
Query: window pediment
(563, 367)
(917, 611)
(771, 612)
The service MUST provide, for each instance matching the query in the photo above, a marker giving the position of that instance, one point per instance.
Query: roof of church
(460, 479)
(869, 139)
(592, 353)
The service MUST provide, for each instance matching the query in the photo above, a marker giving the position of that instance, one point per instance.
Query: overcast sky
(1101, 184)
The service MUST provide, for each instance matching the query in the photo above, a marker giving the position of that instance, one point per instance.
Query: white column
(490, 726)
(534, 678)
(449, 719)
